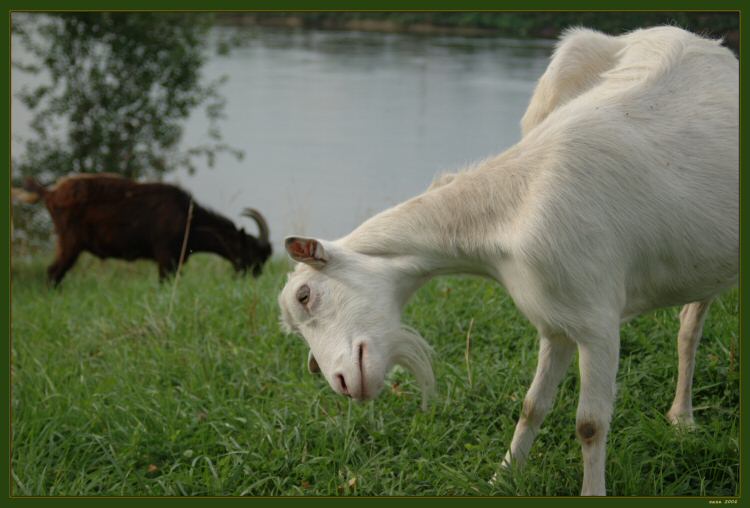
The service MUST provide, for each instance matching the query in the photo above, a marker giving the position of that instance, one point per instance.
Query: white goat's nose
(350, 380)
(312, 364)
(341, 380)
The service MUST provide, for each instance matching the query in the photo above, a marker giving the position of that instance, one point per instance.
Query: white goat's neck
(459, 227)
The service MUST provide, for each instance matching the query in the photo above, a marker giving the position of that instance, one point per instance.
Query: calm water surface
(337, 126)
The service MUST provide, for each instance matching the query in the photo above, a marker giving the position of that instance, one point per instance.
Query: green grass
(119, 389)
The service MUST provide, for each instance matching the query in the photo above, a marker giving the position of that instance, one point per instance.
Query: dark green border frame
(341, 5)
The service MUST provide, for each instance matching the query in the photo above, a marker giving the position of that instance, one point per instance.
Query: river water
(336, 126)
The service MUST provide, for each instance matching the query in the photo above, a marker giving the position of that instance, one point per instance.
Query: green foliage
(548, 24)
(123, 386)
(519, 24)
(114, 91)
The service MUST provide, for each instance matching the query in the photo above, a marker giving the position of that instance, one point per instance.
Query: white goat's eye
(303, 294)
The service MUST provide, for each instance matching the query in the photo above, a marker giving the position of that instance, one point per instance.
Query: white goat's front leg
(554, 359)
(692, 317)
(598, 364)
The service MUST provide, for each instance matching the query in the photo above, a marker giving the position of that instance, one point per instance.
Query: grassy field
(123, 386)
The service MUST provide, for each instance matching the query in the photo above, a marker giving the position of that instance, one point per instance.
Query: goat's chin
(373, 377)
(373, 389)
(412, 352)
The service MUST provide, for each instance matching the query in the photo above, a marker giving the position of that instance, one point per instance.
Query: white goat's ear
(306, 250)
(312, 364)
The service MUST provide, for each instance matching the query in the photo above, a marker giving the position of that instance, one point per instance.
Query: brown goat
(111, 216)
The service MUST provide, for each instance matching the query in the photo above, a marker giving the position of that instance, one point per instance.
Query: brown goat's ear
(306, 250)
(312, 364)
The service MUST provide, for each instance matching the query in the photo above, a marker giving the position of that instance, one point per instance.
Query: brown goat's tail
(31, 192)
(262, 224)
(31, 185)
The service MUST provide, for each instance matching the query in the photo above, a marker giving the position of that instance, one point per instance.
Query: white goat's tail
(579, 60)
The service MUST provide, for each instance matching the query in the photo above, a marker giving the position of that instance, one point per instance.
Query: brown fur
(112, 216)
(586, 432)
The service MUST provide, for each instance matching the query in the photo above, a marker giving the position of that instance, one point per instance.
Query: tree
(119, 87)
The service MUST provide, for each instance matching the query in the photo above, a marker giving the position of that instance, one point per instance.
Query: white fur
(621, 197)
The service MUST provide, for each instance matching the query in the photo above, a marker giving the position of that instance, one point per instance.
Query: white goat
(621, 197)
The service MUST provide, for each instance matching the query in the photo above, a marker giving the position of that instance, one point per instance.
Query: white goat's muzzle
(360, 374)
(355, 376)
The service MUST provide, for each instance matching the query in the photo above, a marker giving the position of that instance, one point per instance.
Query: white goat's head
(347, 306)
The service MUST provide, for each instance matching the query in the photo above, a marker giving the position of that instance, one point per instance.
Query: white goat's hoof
(681, 420)
(493, 480)
(505, 465)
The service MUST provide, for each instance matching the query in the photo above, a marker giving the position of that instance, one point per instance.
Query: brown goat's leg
(166, 270)
(167, 264)
(65, 260)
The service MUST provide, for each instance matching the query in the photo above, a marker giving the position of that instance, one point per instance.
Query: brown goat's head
(253, 254)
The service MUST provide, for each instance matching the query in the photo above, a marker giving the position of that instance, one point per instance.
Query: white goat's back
(636, 198)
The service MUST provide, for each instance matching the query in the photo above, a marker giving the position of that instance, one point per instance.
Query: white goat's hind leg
(554, 359)
(692, 318)
(598, 364)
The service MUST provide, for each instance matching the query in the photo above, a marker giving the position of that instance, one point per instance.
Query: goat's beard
(413, 353)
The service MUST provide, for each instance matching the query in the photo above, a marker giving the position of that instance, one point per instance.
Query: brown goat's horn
(262, 224)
